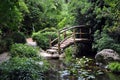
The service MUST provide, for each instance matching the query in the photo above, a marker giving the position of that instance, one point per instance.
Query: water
(59, 72)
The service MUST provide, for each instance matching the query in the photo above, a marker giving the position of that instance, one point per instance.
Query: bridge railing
(73, 32)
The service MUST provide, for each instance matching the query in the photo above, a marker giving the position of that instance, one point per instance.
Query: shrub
(69, 54)
(2, 46)
(105, 42)
(22, 69)
(18, 37)
(114, 66)
(42, 39)
(5, 44)
(23, 50)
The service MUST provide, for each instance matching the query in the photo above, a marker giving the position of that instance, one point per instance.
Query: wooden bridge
(68, 36)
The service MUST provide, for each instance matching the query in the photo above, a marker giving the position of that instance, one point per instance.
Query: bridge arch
(77, 34)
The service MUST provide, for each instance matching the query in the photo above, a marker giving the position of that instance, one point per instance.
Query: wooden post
(80, 32)
(74, 35)
(50, 44)
(64, 34)
(90, 32)
(59, 50)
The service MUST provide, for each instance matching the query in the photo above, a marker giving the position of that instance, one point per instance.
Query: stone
(107, 55)
(30, 42)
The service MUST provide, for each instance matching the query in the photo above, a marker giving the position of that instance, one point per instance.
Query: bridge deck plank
(69, 41)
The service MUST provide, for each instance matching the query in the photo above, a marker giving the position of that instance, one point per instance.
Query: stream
(59, 72)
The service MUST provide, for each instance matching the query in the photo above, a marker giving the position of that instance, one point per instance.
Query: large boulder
(107, 55)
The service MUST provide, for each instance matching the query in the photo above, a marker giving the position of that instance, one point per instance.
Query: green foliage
(69, 54)
(43, 38)
(52, 29)
(33, 15)
(66, 17)
(2, 46)
(7, 41)
(114, 66)
(83, 62)
(22, 50)
(104, 41)
(22, 69)
(11, 13)
(18, 37)
(42, 14)
(5, 44)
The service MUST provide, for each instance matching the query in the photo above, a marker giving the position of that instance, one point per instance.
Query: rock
(30, 42)
(4, 57)
(62, 56)
(107, 55)
(34, 44)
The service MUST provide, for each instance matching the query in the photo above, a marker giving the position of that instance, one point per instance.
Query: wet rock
(107, 55)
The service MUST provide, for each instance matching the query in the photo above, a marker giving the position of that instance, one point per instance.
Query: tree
(11, 12)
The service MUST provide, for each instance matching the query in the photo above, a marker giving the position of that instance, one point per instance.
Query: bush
(69, 54)
(114, 66)
(22, 69)
(18, 37)
(43, 38)
(2, 46)
(23, 50)
(5, 44)
(105, 42)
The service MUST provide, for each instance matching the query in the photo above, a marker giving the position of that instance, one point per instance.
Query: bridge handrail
(70, 28)
(66, 38)
(64, 31)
